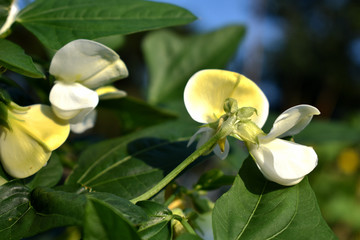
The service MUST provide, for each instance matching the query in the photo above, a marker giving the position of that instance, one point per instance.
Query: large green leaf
(16, 212)
(56, 23)
(255, 208)
(13, 58)
(102, 221)
(126, 167)
(59, 208)
(173, 59)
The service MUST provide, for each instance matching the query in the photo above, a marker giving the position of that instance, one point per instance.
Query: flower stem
(168, 178)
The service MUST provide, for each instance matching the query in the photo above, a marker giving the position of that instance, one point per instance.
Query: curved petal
(207, 90)
(87, 122)
(14, 10)
(292, 121)
(21, 155)
(70, 101)
(222, 154)
(206, 134)
(284, 162)
(43, 125)
(87, 62)
(110, 92)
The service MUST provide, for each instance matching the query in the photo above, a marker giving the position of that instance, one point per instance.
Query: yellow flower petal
(43, 125)
(110, 92)
(21, 155)
(207, 90)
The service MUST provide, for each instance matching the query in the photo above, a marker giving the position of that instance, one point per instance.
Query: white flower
(281, 161)
(207, 94)
(79, 68)
(32, 134)
(204, 97)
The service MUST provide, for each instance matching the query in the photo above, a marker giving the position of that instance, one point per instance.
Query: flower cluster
(227, 100)
(28, 135)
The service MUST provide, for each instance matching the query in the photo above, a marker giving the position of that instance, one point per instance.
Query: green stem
(168, 178)
(185, 224)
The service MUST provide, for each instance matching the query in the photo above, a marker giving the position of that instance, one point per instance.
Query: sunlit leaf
(127, 167)
(56, 23)
(173, 59)
(13, 58)
(255, 208)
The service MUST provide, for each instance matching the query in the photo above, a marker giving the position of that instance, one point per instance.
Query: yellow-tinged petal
(40, 123)
(207, 90)
(21, 154)
(110, 92)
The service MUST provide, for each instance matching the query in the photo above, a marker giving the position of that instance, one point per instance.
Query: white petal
(87, 62)
(284, 162)
(21, 155)
(206, 134)
(225, 153)
(70, 101)
(14, 10)
(87, 122)
(206, 91)
(110, 92)
(292, 121)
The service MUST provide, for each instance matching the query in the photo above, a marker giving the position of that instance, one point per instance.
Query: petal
(70, 101)
(284, 162)
(292, 121)
(2, 181)
(207, 90)
(87, 62)
(43, 125)
(110, 92)
(21, 155)
(87, 122)
(14, 10)
(225, 153)
(206, 134)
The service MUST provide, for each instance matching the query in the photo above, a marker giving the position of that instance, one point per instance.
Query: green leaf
(159, 225)
(102, 221)
(172, 59)
(13, 58)
(132, 213)
(59, 208)
(126, 167)
(16, 212)
(255, 208)
(56, 209)
(131, 113)
(56, 23)
(49, 175)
